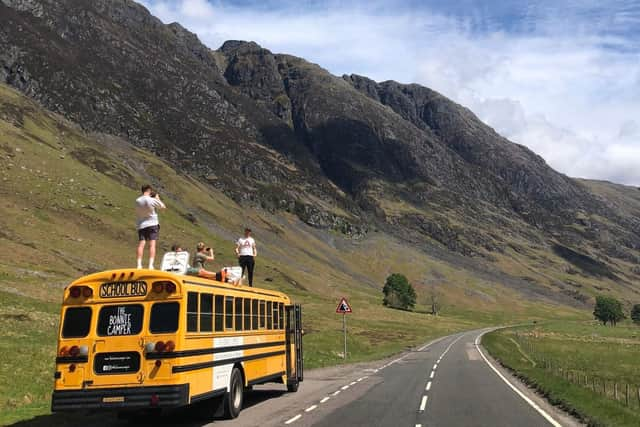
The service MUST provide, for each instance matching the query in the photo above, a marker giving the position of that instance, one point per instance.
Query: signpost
(344, 308)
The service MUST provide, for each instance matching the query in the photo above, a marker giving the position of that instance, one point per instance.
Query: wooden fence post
(626, 395)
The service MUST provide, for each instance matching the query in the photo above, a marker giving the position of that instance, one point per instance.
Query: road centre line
(432, 374)
(311, 408)
(428, 387)
(335, 393)
(352, 383)
(325, 399)
(423, 403)
(435, 366)
(296, 418)
(344, 387)
(535, 406)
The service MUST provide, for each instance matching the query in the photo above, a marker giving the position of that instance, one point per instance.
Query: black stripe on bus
(205, 365)
(268, 378)
(188, 282)
(202, 351)
(72, 359)
(208, 395)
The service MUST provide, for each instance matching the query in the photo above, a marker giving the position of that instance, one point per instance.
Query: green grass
(543, 354)
(27, 343)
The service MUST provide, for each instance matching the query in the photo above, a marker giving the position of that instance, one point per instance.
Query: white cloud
(568, 90)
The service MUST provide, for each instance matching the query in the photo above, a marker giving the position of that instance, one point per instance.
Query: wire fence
(614, 389)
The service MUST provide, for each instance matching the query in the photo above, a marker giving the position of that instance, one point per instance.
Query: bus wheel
(292, 386)
(233, 399)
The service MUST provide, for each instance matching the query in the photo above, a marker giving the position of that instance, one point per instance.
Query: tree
(398, 292)
(608, 310)
(635, 313)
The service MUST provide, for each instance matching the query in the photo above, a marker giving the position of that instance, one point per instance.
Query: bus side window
(254, 314)
(228, 312)
(238, 314)
(219, 313)
(269, 315)
(192, 312)
(275, 315)
(206, 312)
(263, 314)
(247, 314)
(281, 315)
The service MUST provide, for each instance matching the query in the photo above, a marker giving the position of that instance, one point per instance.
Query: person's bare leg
(152, 253)
(140, 252)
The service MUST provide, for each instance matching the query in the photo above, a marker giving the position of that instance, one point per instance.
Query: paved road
(445, 383)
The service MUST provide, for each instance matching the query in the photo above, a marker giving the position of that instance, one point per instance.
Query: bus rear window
(164, 317)
(119, 320)
(77, 322)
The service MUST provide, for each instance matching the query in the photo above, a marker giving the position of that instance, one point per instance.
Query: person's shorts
(149, 233)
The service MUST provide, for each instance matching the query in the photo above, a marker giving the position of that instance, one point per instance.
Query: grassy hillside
(584, 367)
(66, 211)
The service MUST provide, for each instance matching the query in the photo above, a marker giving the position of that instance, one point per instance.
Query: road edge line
(531, 403)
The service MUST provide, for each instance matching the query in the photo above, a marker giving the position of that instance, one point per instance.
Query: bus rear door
(294, 346)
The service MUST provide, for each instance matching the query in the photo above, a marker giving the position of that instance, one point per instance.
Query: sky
(559, 76)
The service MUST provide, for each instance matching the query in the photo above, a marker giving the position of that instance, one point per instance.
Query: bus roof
(127, 274)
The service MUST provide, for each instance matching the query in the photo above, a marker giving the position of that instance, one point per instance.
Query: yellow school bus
(133, 340)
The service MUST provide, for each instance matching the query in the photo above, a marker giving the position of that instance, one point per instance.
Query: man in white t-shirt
(147, 222)
(246, 251)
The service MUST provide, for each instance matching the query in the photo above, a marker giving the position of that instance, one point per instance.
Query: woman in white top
(246, 251)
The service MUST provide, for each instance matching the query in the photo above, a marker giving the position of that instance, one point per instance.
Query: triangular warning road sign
(343, 307)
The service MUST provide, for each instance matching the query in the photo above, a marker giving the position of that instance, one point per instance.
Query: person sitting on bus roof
(202, 256)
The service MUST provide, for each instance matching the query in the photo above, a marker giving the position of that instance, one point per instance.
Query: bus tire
(232, 404)
(292, 386)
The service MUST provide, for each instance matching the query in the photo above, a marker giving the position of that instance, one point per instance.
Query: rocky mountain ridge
(275, 132)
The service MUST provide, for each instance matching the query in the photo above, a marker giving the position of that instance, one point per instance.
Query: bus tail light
(169, 346)
(74, 351)
(161, 286)
(64, 351)
(77, 291)
(160, 346)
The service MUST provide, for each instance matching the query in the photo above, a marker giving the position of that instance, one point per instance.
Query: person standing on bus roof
(246, 251)
(147, 223)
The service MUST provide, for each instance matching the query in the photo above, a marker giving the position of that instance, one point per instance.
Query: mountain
(277, 134)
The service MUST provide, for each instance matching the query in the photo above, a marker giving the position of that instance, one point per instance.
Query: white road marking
(432, 374)
(311, 408)
(435, 366)
(335, 393)
(423, 404)
(518, 392)
(296, 418)
(418, 425)
(344, 387)
(361, 378)
(325, 399)
(428, 387)
(352, 383)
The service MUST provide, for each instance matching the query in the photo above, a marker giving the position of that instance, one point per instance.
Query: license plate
(113, 399)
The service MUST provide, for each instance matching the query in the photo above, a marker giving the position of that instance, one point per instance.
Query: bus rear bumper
(120, 398)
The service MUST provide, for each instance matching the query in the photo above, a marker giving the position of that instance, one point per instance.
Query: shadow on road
(187, 417)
